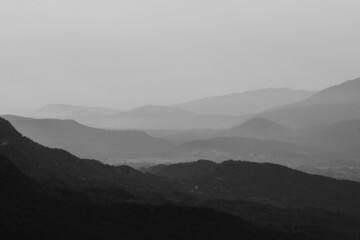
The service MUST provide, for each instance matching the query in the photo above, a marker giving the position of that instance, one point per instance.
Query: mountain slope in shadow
(28, 210)
(264, 183)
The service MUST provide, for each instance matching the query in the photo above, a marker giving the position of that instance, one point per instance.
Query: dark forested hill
(266, 183)
(30, 211)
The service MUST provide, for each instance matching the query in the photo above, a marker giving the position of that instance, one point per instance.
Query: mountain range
(71, 196)
(245, 103)
(334, 104)
(65, 111)
(86, 142)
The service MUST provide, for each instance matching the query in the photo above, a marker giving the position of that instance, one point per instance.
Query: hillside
(331, 105)
(259, 128)
(55, 167)
(341, 137)
(246, 102)
(28, 210)
(87, 142)
(264, 183)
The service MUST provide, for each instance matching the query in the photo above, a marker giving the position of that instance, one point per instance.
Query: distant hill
(345, 92)
(87, 142)
(265, 183)
(64, 111)
(259, 128)
(343, 137)
(163, 111)
(161, 117)
(179, 136)
(334, 104)
(245, 103)
(259, 150)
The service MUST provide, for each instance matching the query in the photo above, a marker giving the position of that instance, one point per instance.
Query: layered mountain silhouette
(87, 142)
(64, 111)
(246, 102)
(334, 104)
(341, 137)
(89, 200)
(56, 167)
(162, 117)
(259, 128)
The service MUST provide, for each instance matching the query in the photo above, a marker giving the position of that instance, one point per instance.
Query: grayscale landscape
(179, 120)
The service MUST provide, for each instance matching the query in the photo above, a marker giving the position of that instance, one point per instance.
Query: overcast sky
(126, 53)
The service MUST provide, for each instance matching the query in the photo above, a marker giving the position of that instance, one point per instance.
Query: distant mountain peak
(260, 128)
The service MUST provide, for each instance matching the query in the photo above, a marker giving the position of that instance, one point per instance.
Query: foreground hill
(87, 142)
(334, 104)
(246, 102)
(264, 183)
(259, 128)
(30, 211)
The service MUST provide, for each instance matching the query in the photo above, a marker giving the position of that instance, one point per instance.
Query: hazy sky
(125, 53)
